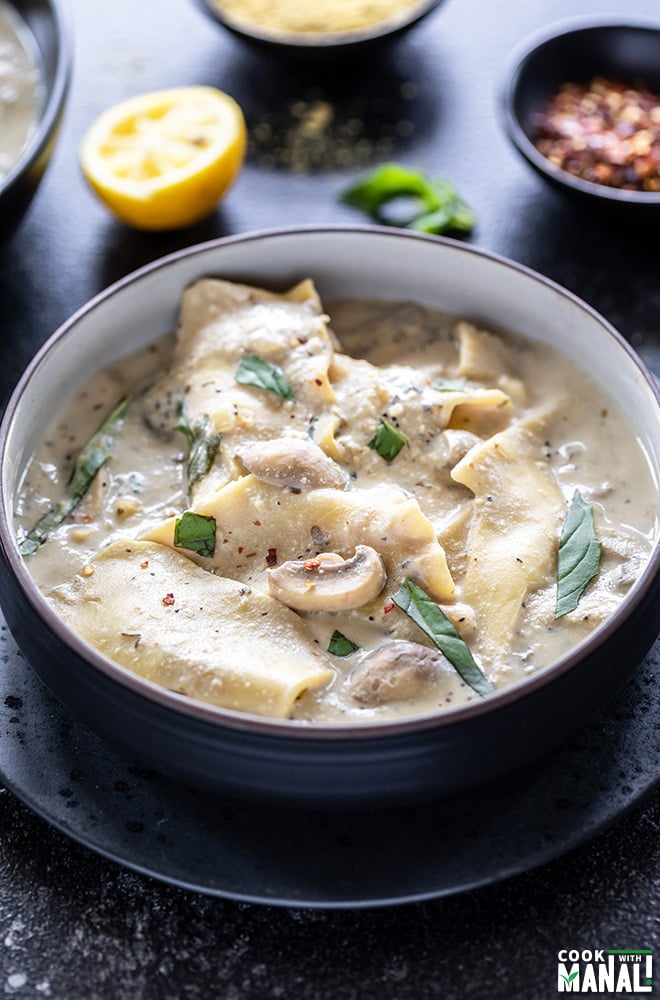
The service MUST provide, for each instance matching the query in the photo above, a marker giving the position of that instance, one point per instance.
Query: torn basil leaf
(340, 645)
(388, 440)
(195, 532)
(97, 451)
(91, 458)
(425, 613)
(432, 205)
(578, 560)
(203, 443)
(262, 375)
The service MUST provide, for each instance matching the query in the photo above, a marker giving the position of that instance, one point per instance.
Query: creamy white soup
(22, 87)
(374, 516)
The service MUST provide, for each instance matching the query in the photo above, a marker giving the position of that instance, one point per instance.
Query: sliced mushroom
(293, 463)
(396, 671)
(328, 582)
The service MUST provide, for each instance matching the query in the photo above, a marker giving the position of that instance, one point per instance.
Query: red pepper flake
(258, 523)
(388, 607)
(87, 518)
(240, 549)
(271, 558)
(311, 564)
(145, 564)
(168, 600)
(302, 340)
(318, 381)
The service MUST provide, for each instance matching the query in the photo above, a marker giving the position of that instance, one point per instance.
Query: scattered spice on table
(313, 134)
(607, 132)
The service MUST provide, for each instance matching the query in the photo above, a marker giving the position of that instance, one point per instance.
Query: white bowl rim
(291, 728)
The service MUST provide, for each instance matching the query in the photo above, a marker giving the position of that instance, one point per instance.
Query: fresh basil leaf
(578, 560)
(203, 451)
(383, 184)
(203, 443)
(432, 205)
(450, 385)
(261, 374)
(195, 532)
(27, 545)
(388, 440)
(97, 451)
(340, 645)
(437, 221)
(91, 458)
(463, 219)
(434, 623)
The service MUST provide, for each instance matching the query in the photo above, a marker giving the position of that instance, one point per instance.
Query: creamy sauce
(574, 436)
(22, 87)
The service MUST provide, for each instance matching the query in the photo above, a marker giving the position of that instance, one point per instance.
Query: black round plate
(127, 812)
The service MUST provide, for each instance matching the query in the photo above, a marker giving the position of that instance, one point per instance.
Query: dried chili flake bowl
(581, 103)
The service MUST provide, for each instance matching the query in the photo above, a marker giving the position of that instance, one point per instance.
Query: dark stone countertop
(73, 925)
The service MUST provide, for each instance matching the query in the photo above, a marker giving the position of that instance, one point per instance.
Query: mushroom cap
(295, 463)
(396, 671)
(328, 582)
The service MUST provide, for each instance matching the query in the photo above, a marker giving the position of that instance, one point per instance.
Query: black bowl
(48, 22)
(321, 44)
(574, 52)
(284, 759)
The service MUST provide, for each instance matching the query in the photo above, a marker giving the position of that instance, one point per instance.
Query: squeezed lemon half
(163, 160)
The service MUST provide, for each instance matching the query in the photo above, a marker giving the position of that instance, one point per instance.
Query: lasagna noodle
(158, 614)
(253, 517)
(513, 536)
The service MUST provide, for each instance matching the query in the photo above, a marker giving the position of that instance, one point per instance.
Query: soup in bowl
(344, 513)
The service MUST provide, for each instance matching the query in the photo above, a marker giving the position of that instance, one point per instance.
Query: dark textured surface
(321, 858)
(74, 926)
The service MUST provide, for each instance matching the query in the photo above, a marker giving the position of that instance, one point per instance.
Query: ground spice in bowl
(606, 132)
(315, 16)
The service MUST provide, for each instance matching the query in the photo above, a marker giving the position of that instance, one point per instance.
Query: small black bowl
(321, 44)
(574, 52)
(49, 24)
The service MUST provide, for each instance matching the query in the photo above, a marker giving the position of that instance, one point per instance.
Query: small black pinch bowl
(285, 760)
(574, 52)
(321, 44)
(48, 22)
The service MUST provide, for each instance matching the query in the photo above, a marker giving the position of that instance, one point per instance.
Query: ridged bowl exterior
(48, 22)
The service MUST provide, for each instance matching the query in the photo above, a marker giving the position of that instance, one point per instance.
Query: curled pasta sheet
(409, 399)
(253, 517)
(482, 355)
(161, 616)
(514, 532)
(221, 322)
